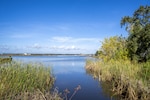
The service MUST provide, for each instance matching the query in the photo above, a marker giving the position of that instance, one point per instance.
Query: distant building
(26, 54)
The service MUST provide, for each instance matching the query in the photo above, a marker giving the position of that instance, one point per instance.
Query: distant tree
(138, 26)
(113, 48)
(97, 53)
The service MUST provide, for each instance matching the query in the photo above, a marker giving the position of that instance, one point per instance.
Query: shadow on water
(105, 86)
(107, 90)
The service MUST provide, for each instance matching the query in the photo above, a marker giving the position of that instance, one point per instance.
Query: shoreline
(125, 78)
(26, 54)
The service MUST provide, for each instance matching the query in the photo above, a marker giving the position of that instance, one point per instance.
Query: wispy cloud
(74, 40)
(35, 46)
(63, 47)
(4, 47)
(72, 44)
(58, 47)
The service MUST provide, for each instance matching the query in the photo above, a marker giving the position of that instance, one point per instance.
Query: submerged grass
(130, 80)
(27, 81)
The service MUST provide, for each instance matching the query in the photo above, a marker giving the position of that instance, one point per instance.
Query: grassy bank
(130, 80)
(26, 82)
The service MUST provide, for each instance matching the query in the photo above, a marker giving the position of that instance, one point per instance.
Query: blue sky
(61, 26)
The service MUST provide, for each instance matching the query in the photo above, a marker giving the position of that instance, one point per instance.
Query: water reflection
(67, 67)
(69, 73)
(106, 88)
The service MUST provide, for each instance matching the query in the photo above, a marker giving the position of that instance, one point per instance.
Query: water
(69, 72)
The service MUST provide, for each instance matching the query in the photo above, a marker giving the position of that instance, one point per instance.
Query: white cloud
(54, 48)
(57, 45)
(64, 47)
(36, 46)
(74, 40)
(72, 44)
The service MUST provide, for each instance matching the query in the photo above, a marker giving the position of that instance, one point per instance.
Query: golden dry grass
(131, 80)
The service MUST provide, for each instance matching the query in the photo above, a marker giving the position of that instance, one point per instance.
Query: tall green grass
(24, 80)
(130, 80)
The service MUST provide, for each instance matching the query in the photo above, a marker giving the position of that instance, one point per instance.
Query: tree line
(136, 46)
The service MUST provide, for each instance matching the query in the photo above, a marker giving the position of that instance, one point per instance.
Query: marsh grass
(25, 80)
(130, 80)
(5, 60)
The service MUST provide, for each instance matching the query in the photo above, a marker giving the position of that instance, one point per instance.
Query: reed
(130, 80)
(25, 80)
(5, 60)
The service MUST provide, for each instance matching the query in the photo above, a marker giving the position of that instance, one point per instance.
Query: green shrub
(113, 48)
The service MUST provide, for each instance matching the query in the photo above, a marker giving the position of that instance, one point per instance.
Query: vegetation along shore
(124, 62)
(5, 59)
(26, 81)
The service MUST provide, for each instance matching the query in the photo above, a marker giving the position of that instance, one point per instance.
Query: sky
(61, 26)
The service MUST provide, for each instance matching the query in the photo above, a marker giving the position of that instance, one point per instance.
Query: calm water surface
(69, 72)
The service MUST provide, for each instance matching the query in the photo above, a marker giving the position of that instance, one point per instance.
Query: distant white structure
(26, 54)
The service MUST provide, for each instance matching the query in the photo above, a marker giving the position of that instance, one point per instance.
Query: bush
(113, 48)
